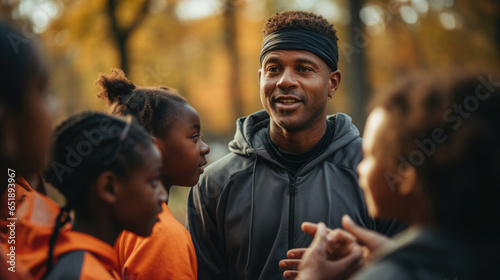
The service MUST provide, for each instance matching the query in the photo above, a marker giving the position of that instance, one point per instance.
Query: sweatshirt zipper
(291, 213)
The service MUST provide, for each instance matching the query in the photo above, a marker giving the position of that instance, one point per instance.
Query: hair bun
(115, 86)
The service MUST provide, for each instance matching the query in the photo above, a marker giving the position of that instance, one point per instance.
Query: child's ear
(409, 183)
(106, 187)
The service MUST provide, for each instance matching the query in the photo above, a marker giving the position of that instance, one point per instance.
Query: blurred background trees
(209, 49)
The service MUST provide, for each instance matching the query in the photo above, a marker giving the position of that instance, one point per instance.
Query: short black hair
(300, 20)
(155, 108)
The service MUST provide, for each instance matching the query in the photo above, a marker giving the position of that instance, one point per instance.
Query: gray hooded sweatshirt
(246, 211)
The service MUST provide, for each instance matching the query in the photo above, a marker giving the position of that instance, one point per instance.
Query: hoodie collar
(247, 140)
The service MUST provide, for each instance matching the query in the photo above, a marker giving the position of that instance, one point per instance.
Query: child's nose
(205, 149)
(162, 193)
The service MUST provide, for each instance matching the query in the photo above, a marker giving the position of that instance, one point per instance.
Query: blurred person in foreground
(430, 159)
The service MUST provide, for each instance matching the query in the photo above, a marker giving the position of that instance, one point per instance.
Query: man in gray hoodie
(288, 164)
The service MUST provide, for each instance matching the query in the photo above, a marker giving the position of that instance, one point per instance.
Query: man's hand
(332, 254)
(340, 251)
(316, 264)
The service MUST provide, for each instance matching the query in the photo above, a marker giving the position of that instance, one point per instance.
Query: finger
(290, 274)
(340, 244)
(340, 236)
(371, 239)
(316, 251)
(290, 264)
(309, 228)
(296, 253)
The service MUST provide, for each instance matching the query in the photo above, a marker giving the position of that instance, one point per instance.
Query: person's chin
(194, 179)
(289, 123)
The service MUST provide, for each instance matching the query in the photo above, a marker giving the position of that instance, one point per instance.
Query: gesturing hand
(333, 254)
(371, 240)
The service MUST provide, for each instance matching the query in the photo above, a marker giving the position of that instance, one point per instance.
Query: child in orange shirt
(25, 132)
(108, 169)
(175, 127)
(25, 118)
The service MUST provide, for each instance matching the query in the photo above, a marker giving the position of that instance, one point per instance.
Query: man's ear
(409, 183)
(107, 187)
(333, 82)
(260, 74)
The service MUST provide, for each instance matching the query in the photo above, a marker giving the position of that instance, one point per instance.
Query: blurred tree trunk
(230, 8)
(120, 34)
(358, 88)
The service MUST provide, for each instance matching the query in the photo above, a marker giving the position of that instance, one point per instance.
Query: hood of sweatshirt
(247, 139)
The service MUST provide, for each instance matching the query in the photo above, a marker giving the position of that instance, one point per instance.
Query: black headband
(300, 39)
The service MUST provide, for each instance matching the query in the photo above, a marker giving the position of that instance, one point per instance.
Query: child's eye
(155, 182)
(195, 137)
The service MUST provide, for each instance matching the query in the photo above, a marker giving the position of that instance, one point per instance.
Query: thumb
(369, 238)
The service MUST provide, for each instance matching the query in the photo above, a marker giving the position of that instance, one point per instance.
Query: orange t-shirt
(167, 254)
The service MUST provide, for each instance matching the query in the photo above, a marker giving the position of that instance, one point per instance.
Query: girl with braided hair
(108, 169)
(175, 127)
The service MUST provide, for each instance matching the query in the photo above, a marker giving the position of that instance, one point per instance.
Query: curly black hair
(155, 108)
(300, 20)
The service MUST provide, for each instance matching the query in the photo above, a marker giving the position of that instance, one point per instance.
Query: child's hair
(448, 128)
(21, 64)
(85, 146)
(155, 108)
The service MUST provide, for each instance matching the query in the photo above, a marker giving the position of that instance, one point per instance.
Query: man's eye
(303, 69)
(273, 69)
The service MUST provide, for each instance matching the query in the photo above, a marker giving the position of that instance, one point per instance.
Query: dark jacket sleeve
(202, 224)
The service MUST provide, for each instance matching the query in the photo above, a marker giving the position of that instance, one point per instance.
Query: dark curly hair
(300, 20)
(447, 127)
(155, 108)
